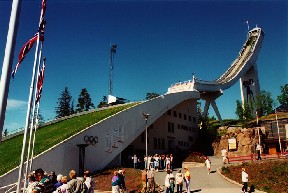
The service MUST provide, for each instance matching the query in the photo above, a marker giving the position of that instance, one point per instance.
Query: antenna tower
(111, 68)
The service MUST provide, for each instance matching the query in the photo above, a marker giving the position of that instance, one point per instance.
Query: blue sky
(159, 43)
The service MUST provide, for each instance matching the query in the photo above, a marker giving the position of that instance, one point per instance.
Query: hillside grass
(50, 135)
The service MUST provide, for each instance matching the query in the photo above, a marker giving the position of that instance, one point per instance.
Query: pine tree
(84, 101)
(64, 109)
(283, 98)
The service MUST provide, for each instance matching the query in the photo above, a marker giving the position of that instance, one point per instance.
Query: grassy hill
(50, 135)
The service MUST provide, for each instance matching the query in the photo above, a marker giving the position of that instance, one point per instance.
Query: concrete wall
(64, 156)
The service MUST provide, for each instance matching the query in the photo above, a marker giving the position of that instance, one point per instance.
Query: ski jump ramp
(243, 68)
(129, 124)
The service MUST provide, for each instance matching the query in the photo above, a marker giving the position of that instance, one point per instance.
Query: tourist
(179, 181)
(245, 181)
(58, 183)
(121, 176)
(88, 185)
(150, 179)
(115, 183)
(208, 164)
(44, 185)
(171, 162)
(74, 185)
(187, 179)
(224, 155)
(135, 160)
(168, 182)
(64, 187)
(32, 183)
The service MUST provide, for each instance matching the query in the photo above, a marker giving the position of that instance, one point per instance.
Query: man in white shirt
(224, 155)
(245, 181)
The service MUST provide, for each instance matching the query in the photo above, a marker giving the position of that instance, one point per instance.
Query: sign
(232, 144)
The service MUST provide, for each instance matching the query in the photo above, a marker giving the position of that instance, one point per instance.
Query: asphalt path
(203, 182)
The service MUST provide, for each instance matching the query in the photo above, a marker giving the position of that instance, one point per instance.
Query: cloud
(13, 104)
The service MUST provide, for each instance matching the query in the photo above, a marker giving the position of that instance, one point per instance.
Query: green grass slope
(50, 135)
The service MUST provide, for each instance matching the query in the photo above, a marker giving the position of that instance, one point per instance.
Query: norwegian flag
(43, 8)
(27, 47)
(40, 82)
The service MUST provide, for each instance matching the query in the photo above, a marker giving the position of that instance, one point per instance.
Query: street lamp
(146, 115)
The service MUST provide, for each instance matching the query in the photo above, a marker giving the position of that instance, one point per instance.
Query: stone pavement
(203, 182)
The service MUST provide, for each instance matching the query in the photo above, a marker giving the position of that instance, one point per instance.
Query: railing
(253, 157)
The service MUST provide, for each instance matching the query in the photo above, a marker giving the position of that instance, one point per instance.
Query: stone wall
(246, 140)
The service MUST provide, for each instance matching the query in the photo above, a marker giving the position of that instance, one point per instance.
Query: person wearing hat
(179, 181)
(187, 179)
(121, 176)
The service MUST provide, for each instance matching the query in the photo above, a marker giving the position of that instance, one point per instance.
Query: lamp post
(146, 116)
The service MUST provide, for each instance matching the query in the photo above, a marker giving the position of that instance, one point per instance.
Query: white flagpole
(29, 107)
(35, 125)
(33, 115)
(278, 131)
(8, 60)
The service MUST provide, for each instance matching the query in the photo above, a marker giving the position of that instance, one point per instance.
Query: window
(189, 118)
(194, 119)
(185, 117)
(163, 144)
(175, 113)
(180, 115)
(159, 143)
(169, 127)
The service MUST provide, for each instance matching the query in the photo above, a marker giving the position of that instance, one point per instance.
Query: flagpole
(8, 60)
(35, 126)
(28, 117)
(33, 115)
(29, 101)
(278, 131)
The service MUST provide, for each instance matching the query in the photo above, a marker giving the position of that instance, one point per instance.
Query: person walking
(208, 164)
(151, 181)
(187, 179)
(224, 155)
(179, 181)
(115, 183)
(169, 182)
(245, 181)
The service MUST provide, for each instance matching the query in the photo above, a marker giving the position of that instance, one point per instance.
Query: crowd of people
(41, 182)
(156, 161)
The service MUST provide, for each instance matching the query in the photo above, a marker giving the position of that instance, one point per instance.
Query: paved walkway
(203, 182)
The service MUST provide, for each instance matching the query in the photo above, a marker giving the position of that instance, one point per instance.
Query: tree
(283, 98)
(84, 101)
(264, 103)
(103, 103)
(244, 112)
(151, 95)
(64, 108)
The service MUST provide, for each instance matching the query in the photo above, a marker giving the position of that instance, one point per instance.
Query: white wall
(64, 156)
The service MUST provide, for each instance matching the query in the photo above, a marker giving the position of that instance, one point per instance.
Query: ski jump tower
(243, 68)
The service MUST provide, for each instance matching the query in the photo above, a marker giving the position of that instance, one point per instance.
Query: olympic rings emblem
(91, 140)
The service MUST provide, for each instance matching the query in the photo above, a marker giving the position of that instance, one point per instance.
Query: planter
(192, 164)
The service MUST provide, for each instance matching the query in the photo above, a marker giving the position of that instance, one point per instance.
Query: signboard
(232, 144)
